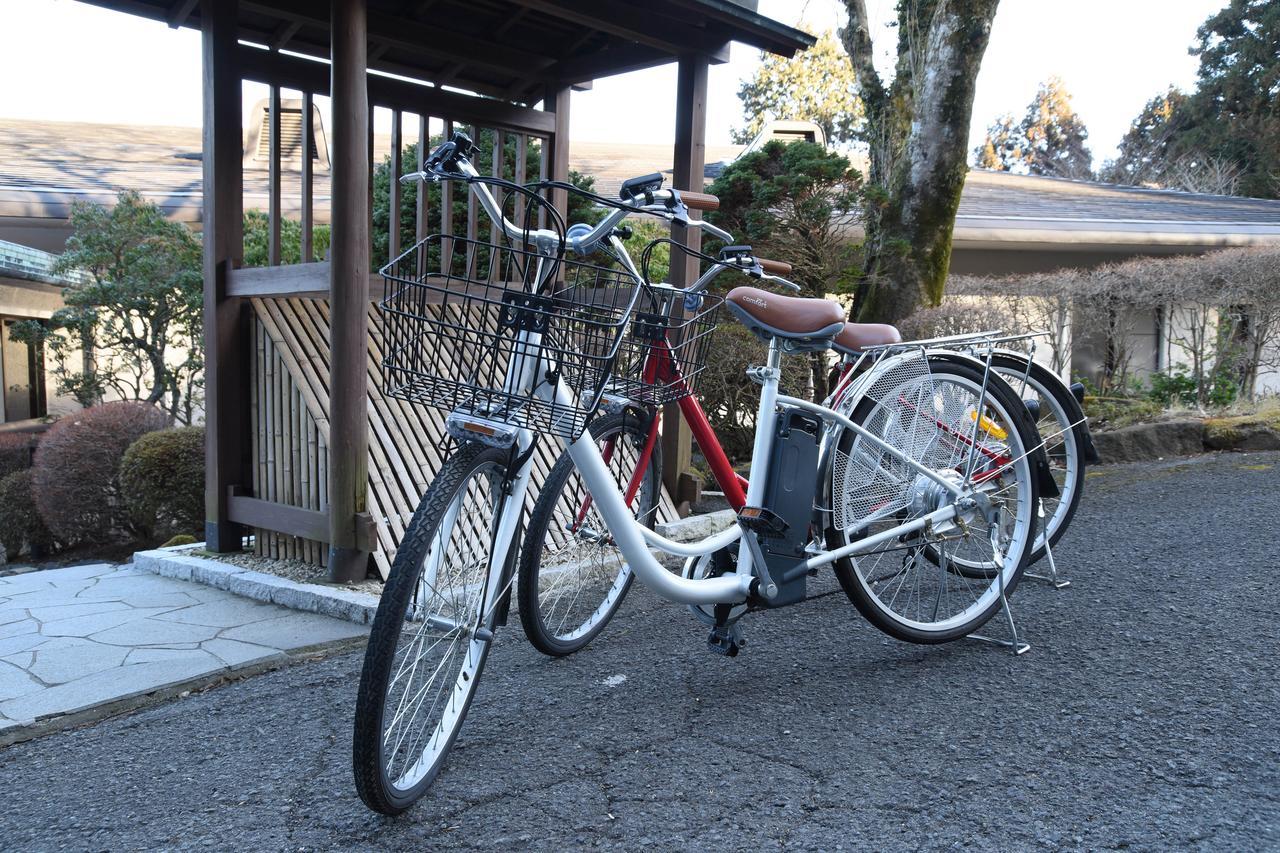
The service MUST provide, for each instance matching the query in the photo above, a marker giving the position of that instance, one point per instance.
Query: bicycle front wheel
(432, 633)
(943, 581)
(572, 576)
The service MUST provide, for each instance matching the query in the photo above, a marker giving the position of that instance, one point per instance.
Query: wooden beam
(273, 177)
(393, 188)
(349, 292)
(690, 158)
(403, 33)
(294, 521)
(225, 323)
(619, 59)
(179, 12)
(635, 22)
(424, 209)
(311, 76)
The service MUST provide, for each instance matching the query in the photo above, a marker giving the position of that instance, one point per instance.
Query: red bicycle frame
(661, 367)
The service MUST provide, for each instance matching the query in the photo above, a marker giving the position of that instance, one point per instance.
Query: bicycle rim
(910, 586)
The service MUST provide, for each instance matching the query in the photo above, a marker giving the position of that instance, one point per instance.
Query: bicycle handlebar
(699, 201)
(450, 161)
(778, 268)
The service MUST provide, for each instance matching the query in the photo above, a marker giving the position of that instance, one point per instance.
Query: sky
(67, 61)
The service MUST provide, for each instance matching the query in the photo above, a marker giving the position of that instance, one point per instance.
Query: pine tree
(1050, 140)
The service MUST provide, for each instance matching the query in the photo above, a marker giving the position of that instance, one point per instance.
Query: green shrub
(20, 522)
(1180, 387)
(15, 452)
(162, 480)
(76, 476)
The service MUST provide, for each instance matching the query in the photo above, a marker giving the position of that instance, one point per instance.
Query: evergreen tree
(1050, 140)
(1144, 152)
(814, 85)
(1225, 136)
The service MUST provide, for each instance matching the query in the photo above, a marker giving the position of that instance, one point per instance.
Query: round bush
(20, 522)
(77, 467)
(15, 452)
(162, 480)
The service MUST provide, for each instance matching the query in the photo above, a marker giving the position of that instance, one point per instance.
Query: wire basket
(490, 329)
(665, 350)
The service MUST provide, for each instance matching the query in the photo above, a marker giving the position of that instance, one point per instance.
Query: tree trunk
(910, 221)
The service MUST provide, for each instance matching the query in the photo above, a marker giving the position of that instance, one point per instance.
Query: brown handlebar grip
(699, 201)
(781, 268)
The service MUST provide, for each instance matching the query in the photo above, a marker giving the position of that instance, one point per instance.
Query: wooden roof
(509, 49)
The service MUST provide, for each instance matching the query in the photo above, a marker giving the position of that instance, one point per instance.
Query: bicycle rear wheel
(1061, 427)
(572, 576)
(432, 633)
(943, 582)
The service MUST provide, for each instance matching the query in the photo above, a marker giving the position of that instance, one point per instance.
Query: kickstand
(1015, 644)
(1052, 577)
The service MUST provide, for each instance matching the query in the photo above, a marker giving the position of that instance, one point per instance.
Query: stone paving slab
(94, 636)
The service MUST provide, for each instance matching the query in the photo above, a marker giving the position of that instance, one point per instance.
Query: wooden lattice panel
(407, 443)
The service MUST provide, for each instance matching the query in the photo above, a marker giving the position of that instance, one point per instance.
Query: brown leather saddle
(804, 324)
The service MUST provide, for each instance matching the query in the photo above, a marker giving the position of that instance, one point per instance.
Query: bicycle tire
(405, 587)
(1069, 415)
(557, 509)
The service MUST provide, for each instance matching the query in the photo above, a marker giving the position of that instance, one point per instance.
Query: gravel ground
(1144, 717)
(294, 570)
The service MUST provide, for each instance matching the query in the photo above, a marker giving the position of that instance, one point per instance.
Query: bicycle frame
(635, 539)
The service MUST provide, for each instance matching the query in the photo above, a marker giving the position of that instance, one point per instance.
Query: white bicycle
(915, 483)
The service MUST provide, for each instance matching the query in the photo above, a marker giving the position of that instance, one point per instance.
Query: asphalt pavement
(1144, 717)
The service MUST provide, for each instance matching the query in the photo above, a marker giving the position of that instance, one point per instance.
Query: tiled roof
(44, 165)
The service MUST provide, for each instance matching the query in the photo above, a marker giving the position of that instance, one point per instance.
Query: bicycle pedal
(725, 640)
(762, 522)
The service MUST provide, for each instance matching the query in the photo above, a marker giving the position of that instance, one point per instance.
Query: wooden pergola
(289, 417)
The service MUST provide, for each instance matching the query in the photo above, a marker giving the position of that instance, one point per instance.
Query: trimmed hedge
(162, 480)
(15, 452)
(77, 466)
(20, 523)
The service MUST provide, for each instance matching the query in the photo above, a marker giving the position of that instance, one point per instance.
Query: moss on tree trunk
(919, 130)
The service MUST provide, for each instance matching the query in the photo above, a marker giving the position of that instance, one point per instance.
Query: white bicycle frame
(635, 539)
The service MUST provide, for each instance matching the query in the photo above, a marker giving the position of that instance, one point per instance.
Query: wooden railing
(286, 503)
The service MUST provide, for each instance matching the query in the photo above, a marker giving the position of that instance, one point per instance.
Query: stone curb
(175, 563)
(1181, 437)
(696, 526)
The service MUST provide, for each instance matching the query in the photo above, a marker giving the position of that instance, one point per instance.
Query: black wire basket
(463, 319)
(666, 349)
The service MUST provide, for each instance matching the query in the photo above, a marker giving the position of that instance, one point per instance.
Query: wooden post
(225, 328)
(348, 291)
(308, 139)
(273, 180)
(690, 168)
(393, 189)
(557, 100)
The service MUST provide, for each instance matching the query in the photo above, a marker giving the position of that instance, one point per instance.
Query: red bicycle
(572, 578)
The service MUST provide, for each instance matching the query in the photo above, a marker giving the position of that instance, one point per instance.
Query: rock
(1241, 433)
(1141, 442)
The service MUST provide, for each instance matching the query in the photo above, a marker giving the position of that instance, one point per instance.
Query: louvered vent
(290, 135)
(258, 145)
